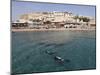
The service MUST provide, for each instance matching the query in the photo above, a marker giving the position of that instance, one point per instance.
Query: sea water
(29, 56)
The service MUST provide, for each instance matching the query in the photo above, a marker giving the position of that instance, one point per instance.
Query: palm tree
(76, 17)
(85, 19)
(81, 18)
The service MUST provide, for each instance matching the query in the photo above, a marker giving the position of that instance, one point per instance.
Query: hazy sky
(19, 7)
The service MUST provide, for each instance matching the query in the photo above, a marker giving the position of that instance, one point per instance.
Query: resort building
(56, 20)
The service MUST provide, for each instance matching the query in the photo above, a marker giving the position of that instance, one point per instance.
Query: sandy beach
(53, 29)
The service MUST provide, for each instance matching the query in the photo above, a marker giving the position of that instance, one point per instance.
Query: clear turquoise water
(28, 51)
